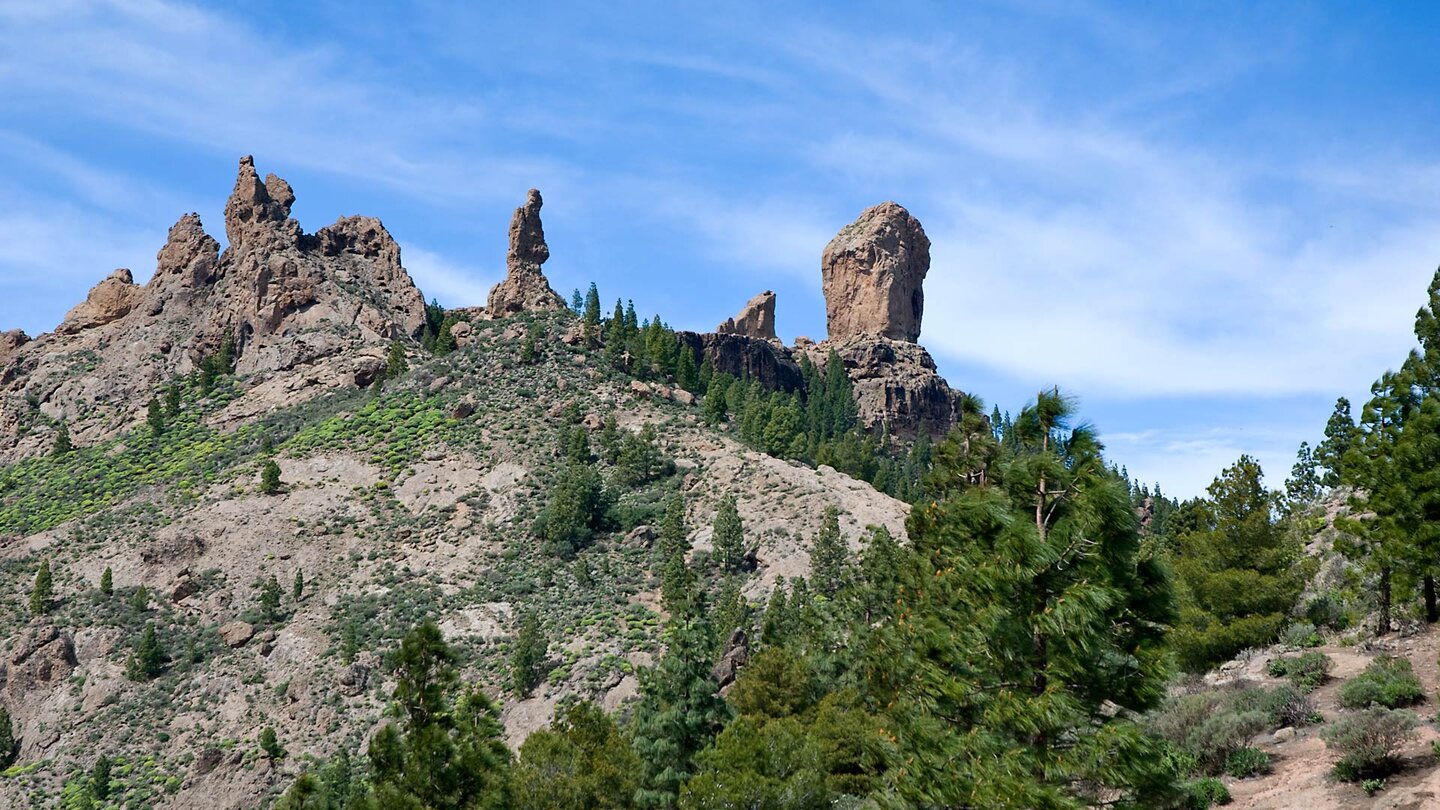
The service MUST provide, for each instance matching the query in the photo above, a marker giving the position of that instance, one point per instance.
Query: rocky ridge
(319, 309)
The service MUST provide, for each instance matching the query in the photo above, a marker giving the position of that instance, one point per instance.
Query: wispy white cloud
(453, 282)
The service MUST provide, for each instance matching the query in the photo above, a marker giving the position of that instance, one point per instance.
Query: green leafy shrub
(1206, 792)
(1301, 634)
(1389, 681)
(1372, 786)
(1208, 726)
(1306, 671)
(1245, 762)
(1367, 741)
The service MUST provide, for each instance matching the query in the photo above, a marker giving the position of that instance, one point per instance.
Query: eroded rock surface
(746, 358)
(756, 320)
(896, 384)
(286, 299)
(525, 288)
(872, 273)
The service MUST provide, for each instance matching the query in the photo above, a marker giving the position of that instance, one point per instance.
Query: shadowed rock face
(287, 300)
(896, 385)
(747, 358)
(525, 288)
(756, 320)
(872, 273)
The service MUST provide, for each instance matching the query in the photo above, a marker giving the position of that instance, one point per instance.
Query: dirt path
(1301, 776)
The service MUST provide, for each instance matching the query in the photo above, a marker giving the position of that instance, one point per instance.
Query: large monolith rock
(872, 272)
(525, 288)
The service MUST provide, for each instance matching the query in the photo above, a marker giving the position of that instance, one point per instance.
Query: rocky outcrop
(326, 302)
(896, 385)
(746, 358)
(525, 288)
(108, 301)
(872, 273)
(756, 320)
(10, 342)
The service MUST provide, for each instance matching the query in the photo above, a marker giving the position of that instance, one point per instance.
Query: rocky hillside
(409, 487)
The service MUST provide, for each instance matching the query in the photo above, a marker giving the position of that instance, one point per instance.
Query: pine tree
(172, 400)
(149, 658)
(43, 591)
(62, 441)
(298, 590)
(592, 306)
(581, 760)
(1339, 437)
(528, 655)
(270, 744)
(446, 751)
(269, 600)
(678, 713)
(577, 302)
(713, 409)
(140, 599)
(9, 746)
(1303, 485)
(155, 417)
(395, 363)
(100, 778)
(1239, 572)
(269, 477)
(677, 583)
(1027, 614)
(107, 581)
(828, 556)
(728, 536)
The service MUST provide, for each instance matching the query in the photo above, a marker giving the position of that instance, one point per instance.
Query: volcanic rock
(110, 300)
(743, 357)
(871, 275)
(10, 341)
(896, 385)
(525, 288)
(756, 320)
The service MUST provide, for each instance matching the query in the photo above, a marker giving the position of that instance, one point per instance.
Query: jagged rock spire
(258, 210)
(756, 320)
(525, 288)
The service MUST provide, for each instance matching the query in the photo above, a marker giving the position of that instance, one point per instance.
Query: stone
(236, 633)
(463, 333)
(871, 274)
(42, 657)
(756, 320)
(10, 343)
(896, 385)
(189, 258)
(1283, 735)
(525, 288)
(746, 358)
(110, 300)
(184, 588)
(736, 656)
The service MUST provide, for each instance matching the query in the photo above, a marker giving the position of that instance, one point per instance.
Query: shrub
(1367, 741)
(1301, 634)
(1389, 681)
(1208, 726)
(1326, 610)
(1372, 786)
(1244, 762)
(1285, 705)
(1207, 792)
(1307, 670)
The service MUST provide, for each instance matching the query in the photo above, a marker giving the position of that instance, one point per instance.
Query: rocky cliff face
(756, 320)
(896, 385)
(872, 273)
(326, 303)
(773, 365)
(525, 288)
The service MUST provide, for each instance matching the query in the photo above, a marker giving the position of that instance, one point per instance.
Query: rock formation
(525, 288)
(896, 385)
(747, 358)
(10, 342)
(871, 273)
(756, 320)
(326, 302)
(110, 300)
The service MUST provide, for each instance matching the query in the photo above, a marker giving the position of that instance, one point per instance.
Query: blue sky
(1206, 223)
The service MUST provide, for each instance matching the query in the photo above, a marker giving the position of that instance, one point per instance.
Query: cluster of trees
(998, 660)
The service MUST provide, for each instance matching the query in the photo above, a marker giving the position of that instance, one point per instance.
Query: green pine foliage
(527, 657)
(727, 537)
(269, 477)
(62, 445)
(9, 745)
(107, 581)
(581, 760)
(43, 591)
(829, 563)
(445, 748)
(395, 362)
(1239, 571)
(149, 657)
(270, 744)
(155, 417)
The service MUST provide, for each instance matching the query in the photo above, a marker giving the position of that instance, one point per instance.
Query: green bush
(1306, 671)
(1301, 634)
(1372, 786)
(1389, 681)
(1207, 792)
(1367, 741)
(1285, 705)
(1209, 726)
(1245, 762)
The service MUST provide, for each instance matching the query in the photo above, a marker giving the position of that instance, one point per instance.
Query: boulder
(525, 288)
(110, 300)
(872, 272)
(736, 656)
(236, 633)
(756, 320)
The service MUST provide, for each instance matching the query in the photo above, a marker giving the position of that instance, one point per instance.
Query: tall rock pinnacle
(756, 320)
(525, 288)
(872, 273)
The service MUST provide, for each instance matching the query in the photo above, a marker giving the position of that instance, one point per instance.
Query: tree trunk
(1384, 621)
(1432, 611)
